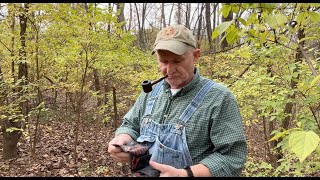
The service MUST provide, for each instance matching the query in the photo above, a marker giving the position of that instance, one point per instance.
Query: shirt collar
(186, 88)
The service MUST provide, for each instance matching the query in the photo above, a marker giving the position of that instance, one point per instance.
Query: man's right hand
(116, 152)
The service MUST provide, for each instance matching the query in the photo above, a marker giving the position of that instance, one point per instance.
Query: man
(191, 124)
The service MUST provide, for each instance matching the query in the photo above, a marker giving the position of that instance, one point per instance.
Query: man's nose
(170, 68)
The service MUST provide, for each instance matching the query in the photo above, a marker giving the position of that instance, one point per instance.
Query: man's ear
(196, 55)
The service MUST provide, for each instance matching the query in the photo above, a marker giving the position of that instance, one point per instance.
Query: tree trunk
(79, 108)
(12, 25)
(163, 17)
(188, 14)
(179, 14)
(115, 111)
(293, 83)
(120, 7)
(208, 23)
(130, 17)
(11, 139)
(97, 86)
(141, 23)
(200, 26)
(37, 125)
(215, 10)
(170, 14)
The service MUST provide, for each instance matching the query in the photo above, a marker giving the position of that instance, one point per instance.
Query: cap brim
(176, 47)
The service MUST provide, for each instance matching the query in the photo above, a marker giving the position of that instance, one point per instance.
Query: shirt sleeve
(230, 147)
(131, 121)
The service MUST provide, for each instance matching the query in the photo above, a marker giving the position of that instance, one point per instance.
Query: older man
(191, 124)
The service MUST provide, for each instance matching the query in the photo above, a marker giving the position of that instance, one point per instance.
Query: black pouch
(139, 159)
(139, 162)
(140, 166)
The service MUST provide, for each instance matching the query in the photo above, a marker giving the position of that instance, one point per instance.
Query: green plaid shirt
(215, 135)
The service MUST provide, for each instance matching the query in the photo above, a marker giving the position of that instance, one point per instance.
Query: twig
(213, 52)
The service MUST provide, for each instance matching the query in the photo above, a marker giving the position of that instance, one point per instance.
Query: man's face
(179, 68)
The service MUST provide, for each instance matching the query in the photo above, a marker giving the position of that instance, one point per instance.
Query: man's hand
(116, 152)
(168, 171)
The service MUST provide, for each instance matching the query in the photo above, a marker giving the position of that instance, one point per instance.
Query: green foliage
(11, 100)
(271, 67)
(303, 143)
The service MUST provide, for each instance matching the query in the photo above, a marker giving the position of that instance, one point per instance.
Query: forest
(69, 72)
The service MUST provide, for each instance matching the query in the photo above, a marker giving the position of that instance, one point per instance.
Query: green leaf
(231, 37)
(308, 38)
(315, 17)
(244, 22)
(3, 116)
(314, 81)
(11, 129)
(253, 32)
(223, 26)
(303, 143)
(215, 34)
(235, 8)
(301, 18)
(278, 136)
(225, 10)
(282, 133)
(268, 6)
(276, 21)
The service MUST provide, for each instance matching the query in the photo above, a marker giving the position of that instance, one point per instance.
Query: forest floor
(54, 152)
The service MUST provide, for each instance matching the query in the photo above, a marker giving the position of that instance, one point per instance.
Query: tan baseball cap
(174, 38)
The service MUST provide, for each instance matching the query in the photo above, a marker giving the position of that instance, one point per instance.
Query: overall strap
(196, 101)
(153, 97)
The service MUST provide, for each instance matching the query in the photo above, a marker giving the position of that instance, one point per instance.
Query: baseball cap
(174, 38)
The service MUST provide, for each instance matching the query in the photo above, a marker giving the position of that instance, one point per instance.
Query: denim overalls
(167, 142)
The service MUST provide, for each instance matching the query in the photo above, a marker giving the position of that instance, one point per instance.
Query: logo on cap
(168, 32)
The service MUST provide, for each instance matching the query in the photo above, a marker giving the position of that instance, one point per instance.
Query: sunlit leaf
(314, 81)
(276, 21)
(315, 17)
(303, 143)
(221, 28)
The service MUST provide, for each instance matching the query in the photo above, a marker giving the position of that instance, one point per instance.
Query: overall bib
(167, 142)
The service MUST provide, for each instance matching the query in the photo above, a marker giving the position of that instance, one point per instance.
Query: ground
(54, 152)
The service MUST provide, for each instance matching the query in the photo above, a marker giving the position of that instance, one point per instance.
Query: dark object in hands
(147, 84)
(139, 159)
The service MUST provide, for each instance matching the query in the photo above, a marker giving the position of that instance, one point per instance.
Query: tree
(12, 128)
(208, 24)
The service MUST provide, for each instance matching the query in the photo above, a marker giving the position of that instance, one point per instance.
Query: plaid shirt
(215, 135)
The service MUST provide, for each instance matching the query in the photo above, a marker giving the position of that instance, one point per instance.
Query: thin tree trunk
(208, 23)
(115, 111)
(200, 26)
(179, 14)
(12, 25)
(37, 125)
(188, 14)
(170, 14)
(79, 107)
(97, 86)
(11, 139)
(141, 23)
(120, 18)
(163, 17)
(130, 17)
